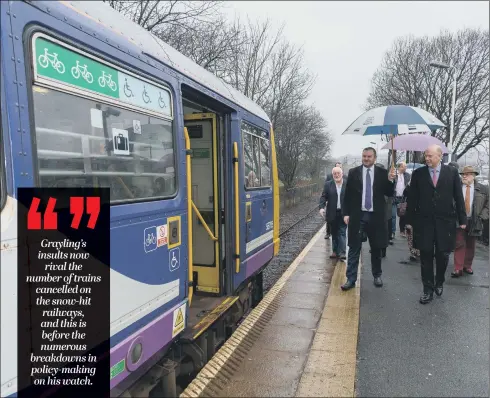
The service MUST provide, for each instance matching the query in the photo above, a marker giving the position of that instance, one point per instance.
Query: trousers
(355, 248)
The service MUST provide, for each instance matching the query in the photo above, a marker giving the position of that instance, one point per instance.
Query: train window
(83, 142)
(256, 157)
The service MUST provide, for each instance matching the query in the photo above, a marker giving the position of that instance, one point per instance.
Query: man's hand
(322, 212)
(462, 226)
(391, 175)
(346, 219)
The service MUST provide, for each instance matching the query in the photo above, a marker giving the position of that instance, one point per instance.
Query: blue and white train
(89, 98)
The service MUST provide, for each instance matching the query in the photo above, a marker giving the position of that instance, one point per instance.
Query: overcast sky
(344, 43)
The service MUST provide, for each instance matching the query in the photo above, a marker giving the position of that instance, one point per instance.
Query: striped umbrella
(393, 120)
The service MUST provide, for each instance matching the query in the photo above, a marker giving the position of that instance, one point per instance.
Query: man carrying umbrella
(364, 213)
(435, 203)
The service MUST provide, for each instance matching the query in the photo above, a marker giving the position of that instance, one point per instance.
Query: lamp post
(441, 65)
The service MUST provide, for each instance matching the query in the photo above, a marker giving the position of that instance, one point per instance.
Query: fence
(292, 196)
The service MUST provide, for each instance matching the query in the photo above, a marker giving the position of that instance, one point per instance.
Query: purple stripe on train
(153, 338)
(259, 259)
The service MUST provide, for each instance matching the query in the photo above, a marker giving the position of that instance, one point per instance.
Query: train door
(202, 130)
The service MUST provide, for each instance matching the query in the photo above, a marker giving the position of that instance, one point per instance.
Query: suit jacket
(479, 210)
(434, 211)
(330, 197)
(353, 203)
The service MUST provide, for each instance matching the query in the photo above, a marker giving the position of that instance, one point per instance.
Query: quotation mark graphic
(51, 217)
(34, 217)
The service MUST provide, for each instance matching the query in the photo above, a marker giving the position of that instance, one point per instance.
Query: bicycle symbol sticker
(79, 70)
(106, 79)
(150, 239)
(174, 259)
(47, 58)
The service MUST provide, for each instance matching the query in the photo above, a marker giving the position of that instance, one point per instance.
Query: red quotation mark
(51, 217)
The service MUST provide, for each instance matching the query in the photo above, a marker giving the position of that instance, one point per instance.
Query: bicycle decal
(150, 239)
(107, 79)
(47, 58)
(79, 70)
(127, 91)
(145, 95)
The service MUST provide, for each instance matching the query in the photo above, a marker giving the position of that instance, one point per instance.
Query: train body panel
(89, 98)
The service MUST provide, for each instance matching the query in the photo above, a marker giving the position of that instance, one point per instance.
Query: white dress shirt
(472, 196)
(400, 185)
(371, 174)
(339, 189)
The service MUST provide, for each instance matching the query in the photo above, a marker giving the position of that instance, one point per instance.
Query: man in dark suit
(364, 213)
(330, 178)
(331, 208)
(435, 205)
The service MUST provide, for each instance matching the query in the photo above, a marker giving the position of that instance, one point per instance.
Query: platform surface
(435, 350)
(369, 341)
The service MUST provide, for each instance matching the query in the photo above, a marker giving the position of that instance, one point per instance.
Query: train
(91, 99)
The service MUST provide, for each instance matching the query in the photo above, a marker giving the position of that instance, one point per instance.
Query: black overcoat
(329, 195)
(434, 212)
(353, 203)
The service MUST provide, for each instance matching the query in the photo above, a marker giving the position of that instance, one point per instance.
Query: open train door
(202, 132)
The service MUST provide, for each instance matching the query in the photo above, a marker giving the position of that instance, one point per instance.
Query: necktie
(434, 177)
(467, 200)
(367, 198)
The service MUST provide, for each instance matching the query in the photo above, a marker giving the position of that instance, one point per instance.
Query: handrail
(203, 222)
(189, 213)
(237, 210)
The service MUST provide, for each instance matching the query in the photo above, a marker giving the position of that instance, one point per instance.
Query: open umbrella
(414, 142)
(392, 120)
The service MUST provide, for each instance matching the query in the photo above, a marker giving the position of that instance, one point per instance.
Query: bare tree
(159, 16)
(405, 77)
(300, 128)
(255, 60)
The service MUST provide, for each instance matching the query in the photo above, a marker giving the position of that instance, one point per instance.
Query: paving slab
(440, 349)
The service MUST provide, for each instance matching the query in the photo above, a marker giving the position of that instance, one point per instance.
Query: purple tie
(367, 198)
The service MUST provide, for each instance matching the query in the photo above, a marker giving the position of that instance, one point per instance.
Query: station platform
(308, 338)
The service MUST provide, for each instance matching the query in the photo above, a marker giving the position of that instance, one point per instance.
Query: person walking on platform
(402, 180)
(364, 211)
(388, 215)
(331, 209)
(414, 253)
(476, 206)
(330, 178)
(435, 204)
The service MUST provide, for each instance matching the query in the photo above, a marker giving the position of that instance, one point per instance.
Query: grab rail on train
(237, 210)
(189, 212)
(208, 230)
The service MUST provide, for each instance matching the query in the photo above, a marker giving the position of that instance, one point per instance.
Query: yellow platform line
(219, 370)
(330, 369)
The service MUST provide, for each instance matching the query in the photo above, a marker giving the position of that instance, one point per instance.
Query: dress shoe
(456, 274)
(333, 255)
(378, 282)
(348, 285)
(426, 298)
(468, 271)
(343, 256)
(438, 290)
